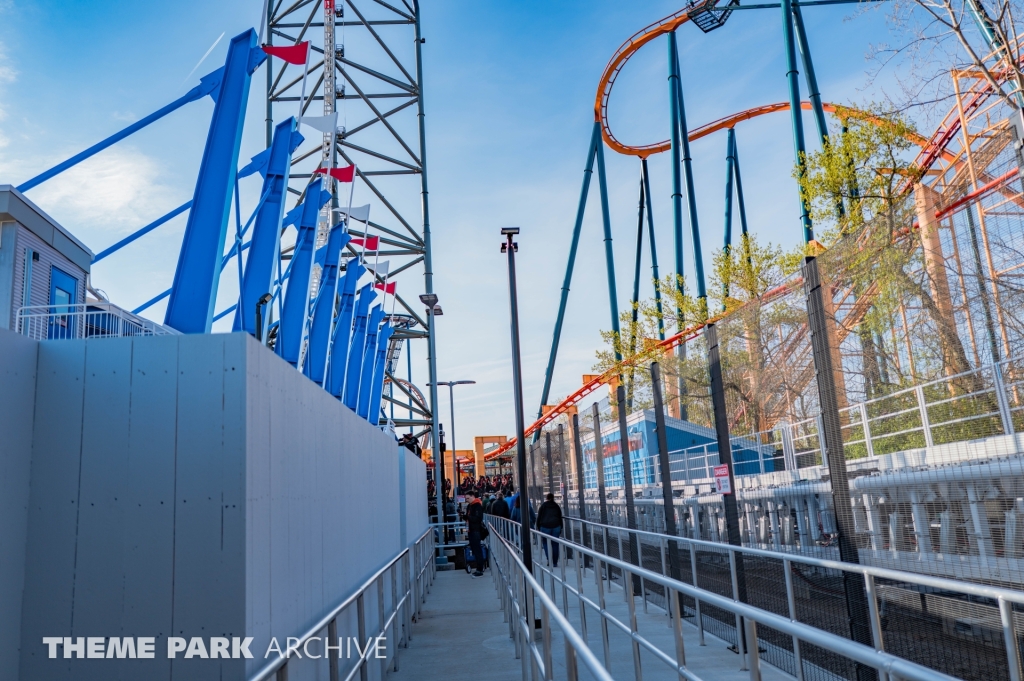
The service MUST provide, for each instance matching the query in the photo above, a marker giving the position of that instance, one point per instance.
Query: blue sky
(509, 90)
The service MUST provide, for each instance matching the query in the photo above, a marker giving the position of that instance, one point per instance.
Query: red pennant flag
(345, 174)
(293, 54)
(387, 288)
(371, 243)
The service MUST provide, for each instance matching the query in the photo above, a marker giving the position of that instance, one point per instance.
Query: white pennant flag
(381, 268)
(360, 213)
(325, 124)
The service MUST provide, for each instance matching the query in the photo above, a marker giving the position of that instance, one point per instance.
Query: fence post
(788, 453)
(599, 464)
(926, 425)
(1004, 405)
(866, 426)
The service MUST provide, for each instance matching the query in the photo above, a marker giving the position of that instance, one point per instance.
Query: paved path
(461, 635)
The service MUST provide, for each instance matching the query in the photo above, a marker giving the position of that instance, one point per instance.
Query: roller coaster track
(933, 150)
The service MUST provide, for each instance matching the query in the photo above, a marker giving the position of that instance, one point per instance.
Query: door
(63, 295)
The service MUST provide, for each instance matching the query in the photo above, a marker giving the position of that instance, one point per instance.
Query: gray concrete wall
(194, 486)
(17, 397)
(416, 519)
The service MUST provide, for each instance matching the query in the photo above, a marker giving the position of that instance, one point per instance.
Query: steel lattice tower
(371, 74)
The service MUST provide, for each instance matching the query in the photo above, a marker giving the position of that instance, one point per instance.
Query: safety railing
(950, 628)
(406, 578)
(84, 320)
(521, 597)
(451, 534)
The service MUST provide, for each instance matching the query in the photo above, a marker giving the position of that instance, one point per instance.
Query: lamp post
(433, 310)
(455, 460)
(509, 248)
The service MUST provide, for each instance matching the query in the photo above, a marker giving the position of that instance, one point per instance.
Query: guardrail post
(753, 662)
(696, 601)
(877, 639)
(922, 408)
(604, 620)
(361, 616)
(787, 566)
(741, 643)
(1004, 405)
(381, 619)
(1010, 639)
(333, 657)
(628, 584)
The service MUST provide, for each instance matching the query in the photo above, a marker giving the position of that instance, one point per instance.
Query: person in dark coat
(500, 507)
(549, 521)
(475, 525)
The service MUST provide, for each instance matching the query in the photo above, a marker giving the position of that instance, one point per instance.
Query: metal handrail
(751, 616)
(424, 545)
(942, 583)
(520, 593)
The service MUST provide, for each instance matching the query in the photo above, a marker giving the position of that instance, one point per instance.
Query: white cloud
(117, 190)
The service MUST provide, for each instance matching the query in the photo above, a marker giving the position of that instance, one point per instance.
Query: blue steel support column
(368, 358)
(296, 299)
(355, 351)
(609, 257)
(379, 366)
(266, 233)
(315, 364)
(588, 171)
(335, 381)
(654, 248)
(194, 291)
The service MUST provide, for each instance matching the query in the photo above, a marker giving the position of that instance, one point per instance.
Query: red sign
(722, 485)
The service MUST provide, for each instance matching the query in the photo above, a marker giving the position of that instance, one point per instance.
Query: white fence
(84, 320)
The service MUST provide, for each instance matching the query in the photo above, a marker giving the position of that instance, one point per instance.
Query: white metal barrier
(407, 578)
(84, 320)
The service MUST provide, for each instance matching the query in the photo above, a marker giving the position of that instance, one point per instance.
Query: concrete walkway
(460, 635)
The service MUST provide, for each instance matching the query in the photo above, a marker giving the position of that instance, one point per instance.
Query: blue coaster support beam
(296, 298)
(380, 364)
(338, 356)
(208, 84)
(355, 353)
(368, 359)
(194, 291)
(266, 235)
(323, 310)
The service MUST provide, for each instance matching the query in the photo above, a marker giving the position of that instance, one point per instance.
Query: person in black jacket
(549, 521)
(475, 525)
(500, 507)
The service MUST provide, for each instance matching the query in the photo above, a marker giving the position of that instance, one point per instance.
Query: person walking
(475, 525)
(499, 507)
(549, 521)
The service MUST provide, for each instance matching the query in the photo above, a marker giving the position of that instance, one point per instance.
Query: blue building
(693, 450)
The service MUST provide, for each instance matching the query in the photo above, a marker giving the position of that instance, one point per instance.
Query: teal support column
(792, 77)
(677, 190)
(588, 172)
(654, 248)
(609, 257)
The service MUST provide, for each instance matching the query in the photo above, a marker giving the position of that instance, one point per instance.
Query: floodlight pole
(509, 249)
